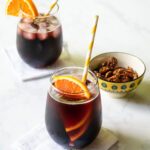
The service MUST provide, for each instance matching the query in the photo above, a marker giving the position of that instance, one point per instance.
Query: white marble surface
(124, 26)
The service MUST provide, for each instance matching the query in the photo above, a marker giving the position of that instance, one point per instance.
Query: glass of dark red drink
(39, 40)
(70, 122)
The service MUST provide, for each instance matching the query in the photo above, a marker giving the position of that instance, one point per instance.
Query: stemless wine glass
(75, 123)
(39, 40)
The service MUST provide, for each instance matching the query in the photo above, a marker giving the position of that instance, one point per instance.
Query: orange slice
(29, 9)
(71, 87)
(76, 135)
(81, 123)
(13, 7)
(24, 7)
(77, 130)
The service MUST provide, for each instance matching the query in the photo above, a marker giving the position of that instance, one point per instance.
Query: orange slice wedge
(76, 135)
(13, 7)
(29, 9)
(71, 87)
(26, 8)
(81, 123)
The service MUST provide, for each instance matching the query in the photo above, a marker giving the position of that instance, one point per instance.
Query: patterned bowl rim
(123, 91)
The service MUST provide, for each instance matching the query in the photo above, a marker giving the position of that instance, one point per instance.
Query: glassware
(73, 124)
(39, 40)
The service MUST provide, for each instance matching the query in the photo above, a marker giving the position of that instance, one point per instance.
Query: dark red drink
(39, 41)
(74, 123)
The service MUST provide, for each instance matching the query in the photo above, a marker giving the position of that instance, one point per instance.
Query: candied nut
(104, 69)
(130, 69)
(135, 76)
(104, 63)
(108, 74)
(132, 73)
(129, 74)
(118, 70)
(109, 71)
(113, 78)
(112, 61)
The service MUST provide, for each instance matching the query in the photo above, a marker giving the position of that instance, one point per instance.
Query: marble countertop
(124, 26)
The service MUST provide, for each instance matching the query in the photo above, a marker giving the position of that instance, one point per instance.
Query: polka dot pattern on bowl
(119, 87)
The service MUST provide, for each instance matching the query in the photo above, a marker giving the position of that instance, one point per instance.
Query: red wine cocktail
(71, 122)
(39, 40)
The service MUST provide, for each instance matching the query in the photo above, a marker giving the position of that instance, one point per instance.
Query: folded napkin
(38, 139)
(26, 73)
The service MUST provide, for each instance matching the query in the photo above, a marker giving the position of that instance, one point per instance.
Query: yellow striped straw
(88, 57)
(52, 6)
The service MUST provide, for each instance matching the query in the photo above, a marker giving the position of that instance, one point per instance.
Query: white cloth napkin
(26, 73)
(38, 139)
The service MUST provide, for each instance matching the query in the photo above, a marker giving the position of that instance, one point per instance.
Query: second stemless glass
(73, 124)
(39, 41)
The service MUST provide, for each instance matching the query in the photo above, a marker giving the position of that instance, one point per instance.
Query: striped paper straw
(52, 6)
(88, 57)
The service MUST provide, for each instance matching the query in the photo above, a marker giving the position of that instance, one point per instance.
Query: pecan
(112, 62)
(108, 74)
(113, 78)
(118, 70)
(135, 76)
(104, 69)
(129, 74)
(104, 64)
(109, 71)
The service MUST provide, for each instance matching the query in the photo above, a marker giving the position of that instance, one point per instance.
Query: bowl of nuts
(118, 73)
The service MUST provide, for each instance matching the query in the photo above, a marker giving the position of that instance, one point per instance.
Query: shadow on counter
(141, 95)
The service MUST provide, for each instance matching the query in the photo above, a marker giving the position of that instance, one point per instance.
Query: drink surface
(73, 123)
(39, 41)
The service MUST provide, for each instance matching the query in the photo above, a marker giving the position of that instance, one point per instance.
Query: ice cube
(90, 85)
(27, 20)
(48, 19)
(92, 88)
(53, 20)
(42, 34)
(39, 20)
(51, 28)
(56, 32)
(24, 26)
(29, 35)
(42, 30)
(28, 27)
(43, 25)
(32, 30)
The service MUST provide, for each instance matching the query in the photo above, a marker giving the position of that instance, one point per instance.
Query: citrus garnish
(71, 87)
(80, 123)
(76, 135)
(13, 7)
(26, 8)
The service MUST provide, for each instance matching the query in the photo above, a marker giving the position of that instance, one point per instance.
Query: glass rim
(64, 68)
(55, 28)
